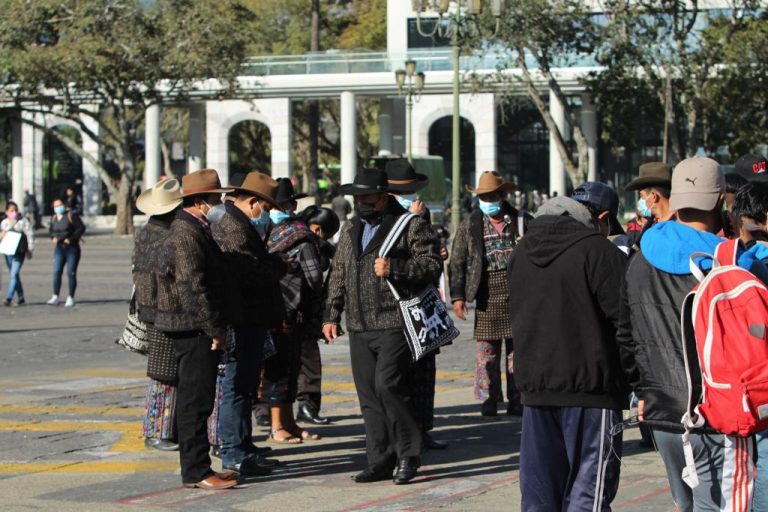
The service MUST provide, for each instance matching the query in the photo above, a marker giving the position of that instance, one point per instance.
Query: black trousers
(198, 366)
(421, 382)
(281, 371)
(380, 363)
(310, 374)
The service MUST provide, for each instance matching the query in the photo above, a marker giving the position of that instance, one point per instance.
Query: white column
(91, 178)
(151, 146)
(348, 137)
(385, 127)
(17, 169)
(196, 122)
(589, 128)
(32, 159)
(279, 123)
(398, 128)
(557, 176)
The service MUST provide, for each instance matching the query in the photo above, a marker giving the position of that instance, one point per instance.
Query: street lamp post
(409, 84)
(461, 16)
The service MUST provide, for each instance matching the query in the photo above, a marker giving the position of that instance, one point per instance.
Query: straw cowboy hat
(491, 181)
(402, 177)
(651, 173)
(204, 181)
(163, 197)
(259, 185)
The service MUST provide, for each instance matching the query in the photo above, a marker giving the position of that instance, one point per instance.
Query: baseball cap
(752, 167)
(603, 198)
(697, 183)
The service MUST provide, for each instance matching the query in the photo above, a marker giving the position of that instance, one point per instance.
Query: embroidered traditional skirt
(213, 419)
(492, 320)
(160, 411)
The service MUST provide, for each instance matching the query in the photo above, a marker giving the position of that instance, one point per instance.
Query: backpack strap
(727, 253)
(692, 418)
(392, 237)
(694, 267)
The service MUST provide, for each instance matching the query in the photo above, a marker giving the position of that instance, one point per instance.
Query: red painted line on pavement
(132, 500)
(450, 497)
(644, 497)
(624, 483)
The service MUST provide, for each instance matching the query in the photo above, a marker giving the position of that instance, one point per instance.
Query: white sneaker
(70, 302)
(54, 300)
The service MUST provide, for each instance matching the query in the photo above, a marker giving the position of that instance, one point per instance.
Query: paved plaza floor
(71, 403)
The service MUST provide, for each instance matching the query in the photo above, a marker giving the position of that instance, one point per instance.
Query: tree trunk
(124, 200)
(314, 108)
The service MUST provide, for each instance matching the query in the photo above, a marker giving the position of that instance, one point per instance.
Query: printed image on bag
(426, 323)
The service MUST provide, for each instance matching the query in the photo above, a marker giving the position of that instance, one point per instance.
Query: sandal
(306, 435)
(291, 439)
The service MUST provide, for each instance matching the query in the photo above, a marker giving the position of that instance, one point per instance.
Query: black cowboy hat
(402, 177)
(286, 192)
(367, 181)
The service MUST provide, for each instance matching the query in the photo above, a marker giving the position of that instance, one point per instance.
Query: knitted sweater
(414, 264)
(146, 249)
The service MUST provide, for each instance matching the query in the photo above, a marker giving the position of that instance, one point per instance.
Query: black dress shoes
(489, 408)
(369, 475)
(263, 421)
(429, 443)
(249, 467)
(406, 470)
(162, 444)
(308, 414)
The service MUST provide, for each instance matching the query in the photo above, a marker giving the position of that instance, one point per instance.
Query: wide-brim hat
(402, 177)
(651, 174)
(204, 181)
(367, 181)
(259, 185)
(286, 192)
(491, 181)
(163, 197)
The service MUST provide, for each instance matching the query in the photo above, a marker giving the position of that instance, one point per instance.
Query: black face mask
(367, 211)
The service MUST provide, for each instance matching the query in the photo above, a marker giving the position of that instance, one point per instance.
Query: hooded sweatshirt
(565, 328)
(657, 280)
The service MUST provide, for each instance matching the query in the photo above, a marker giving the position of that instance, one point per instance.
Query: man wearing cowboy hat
(190, 310)
(653, 184)
(252, 308)
(161, 202)
(379, 353)
(477, 271)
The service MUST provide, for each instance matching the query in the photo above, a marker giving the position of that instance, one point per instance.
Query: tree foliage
(101, 63)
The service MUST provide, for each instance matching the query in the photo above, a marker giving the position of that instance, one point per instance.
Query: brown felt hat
(651, 173)
(491, 181)
(259, 185)
(204, 181)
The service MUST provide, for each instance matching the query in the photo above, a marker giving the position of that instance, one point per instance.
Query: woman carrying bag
(15, 223)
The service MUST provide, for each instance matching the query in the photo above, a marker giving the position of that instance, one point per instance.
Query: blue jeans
(14, 277)
(240, 384)
(71, 255)
(760, 499)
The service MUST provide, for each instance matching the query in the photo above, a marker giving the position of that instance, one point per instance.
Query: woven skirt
(160, 411)
(492, 320)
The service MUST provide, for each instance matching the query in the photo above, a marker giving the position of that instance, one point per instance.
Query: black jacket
(69, 227)
(252, 274)
(146, 254)
(564, 328)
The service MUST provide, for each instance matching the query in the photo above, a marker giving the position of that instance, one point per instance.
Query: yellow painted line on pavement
(440, 373)
(130, 440)
(142, 466)
(104, 372)
(350, 387)
(84, 410)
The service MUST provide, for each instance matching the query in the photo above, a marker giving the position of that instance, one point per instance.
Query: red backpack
(728, 314)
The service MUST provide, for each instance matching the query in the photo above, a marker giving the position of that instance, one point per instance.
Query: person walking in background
(477, 272)
(161, 203)
(190, 310)
(66, 231)
(32, 209)
(16, 223)
(568, 368)
(379, 352)
(74, 202)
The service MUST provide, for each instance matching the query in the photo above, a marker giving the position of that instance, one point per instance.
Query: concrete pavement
(71, 404)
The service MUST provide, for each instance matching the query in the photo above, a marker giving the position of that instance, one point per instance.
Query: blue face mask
(261, 220)
(490, 209)
(642, 207)
(59, 210)
(406, 201)
(278, 216)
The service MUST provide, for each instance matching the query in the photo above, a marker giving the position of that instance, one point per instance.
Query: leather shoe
(249, 466)
(369, 475)
(227, 475)
(212, 483)
(514, 409)
(406, 470)
(489, 408)
(263, 421)
(308, 414)
(260, 450)
(429, 443)
(162, 445)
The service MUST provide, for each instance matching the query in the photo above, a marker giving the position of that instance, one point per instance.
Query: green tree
(101, 63)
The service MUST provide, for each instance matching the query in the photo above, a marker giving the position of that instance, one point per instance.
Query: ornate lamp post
(409, 84)
(461, 17)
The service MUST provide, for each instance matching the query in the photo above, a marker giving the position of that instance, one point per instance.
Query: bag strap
(694, 267)
(520, 223)
(392, 238)
(727, 253)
